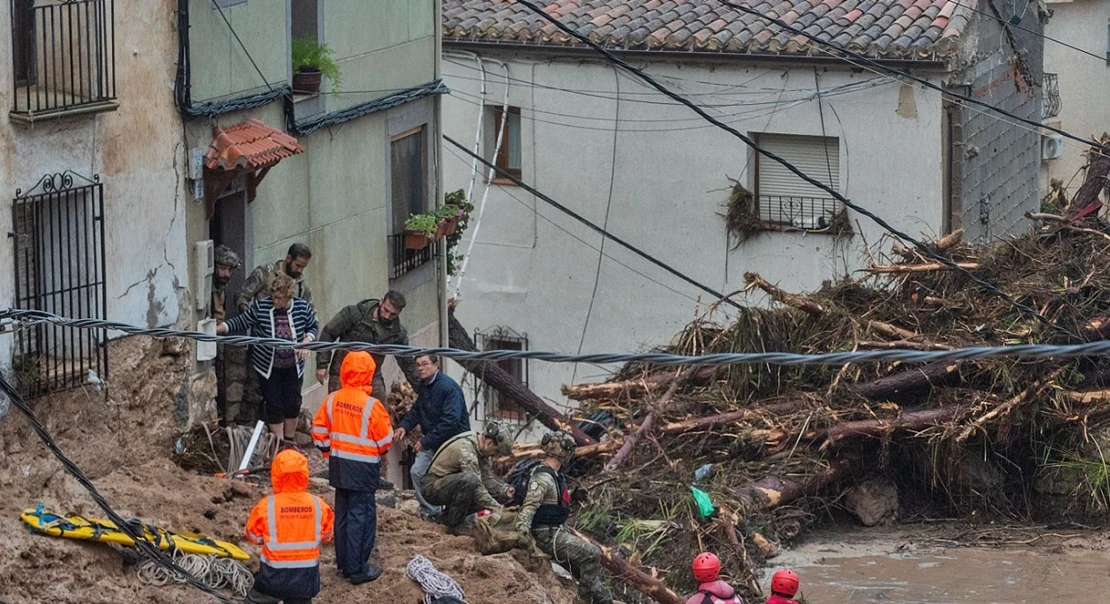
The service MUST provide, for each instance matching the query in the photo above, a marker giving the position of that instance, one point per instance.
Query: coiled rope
(434, 583)
(213, 571)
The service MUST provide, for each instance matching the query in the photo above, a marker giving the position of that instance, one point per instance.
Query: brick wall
(1001, 161)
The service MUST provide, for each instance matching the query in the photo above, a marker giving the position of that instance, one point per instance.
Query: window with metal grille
(63, 58)
(409, 177)
(509, 154)
(58, 240)
(503, 338)
(785, 199)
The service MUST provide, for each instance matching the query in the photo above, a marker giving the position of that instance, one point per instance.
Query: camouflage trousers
(581, 558)
(457, 493)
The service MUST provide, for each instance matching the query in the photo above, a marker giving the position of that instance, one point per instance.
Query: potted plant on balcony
(311, 62)
(420, 231)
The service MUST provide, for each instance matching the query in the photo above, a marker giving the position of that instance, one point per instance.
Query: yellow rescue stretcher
(45, 522)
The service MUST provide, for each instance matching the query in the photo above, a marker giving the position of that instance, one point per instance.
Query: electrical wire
(971, 353)
(556, 225)
(926, 250)
(894, 70)
(142, 545)
(594, 227)
(1007, 23)
(234, 33)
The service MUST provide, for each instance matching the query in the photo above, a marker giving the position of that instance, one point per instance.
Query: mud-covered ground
(124, 446)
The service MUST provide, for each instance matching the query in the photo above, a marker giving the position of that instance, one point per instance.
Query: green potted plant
(420, 229)
(448, 216)
(311, 62)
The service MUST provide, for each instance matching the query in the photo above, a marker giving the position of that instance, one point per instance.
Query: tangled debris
(777, 447)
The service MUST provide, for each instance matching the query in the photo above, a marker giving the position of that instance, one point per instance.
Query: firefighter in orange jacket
(352, 430)
(289, 525)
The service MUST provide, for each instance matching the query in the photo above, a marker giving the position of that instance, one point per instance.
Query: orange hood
(357, 371)
(289, 472)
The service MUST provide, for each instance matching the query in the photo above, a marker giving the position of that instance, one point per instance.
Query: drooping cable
(925, 249)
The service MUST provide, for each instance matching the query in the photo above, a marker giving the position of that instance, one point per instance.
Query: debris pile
(774, 448)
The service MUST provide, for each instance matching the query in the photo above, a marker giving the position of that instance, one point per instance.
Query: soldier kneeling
(544, 511)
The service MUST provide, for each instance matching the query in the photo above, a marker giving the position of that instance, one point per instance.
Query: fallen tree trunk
(631, 576)
(712, 421)
(901, 345)
(920, 268)
(508, 386)
(645, 426)
(943, 244)
(631, 388)
(1086, 200)
(911, 420)
(805, 305)
(772, 491)
(533, 451)
(909, 381)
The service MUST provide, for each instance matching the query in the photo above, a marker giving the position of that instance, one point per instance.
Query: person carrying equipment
(546, 508)
(459, 477)
(711, 590)
(784, 584)
(289, 525)
(352, 430)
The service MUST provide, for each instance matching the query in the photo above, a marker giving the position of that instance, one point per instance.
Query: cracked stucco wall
(137, 151)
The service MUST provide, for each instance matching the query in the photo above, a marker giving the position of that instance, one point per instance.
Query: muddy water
(884, 568)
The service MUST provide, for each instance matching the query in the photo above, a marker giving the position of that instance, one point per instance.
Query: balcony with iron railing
(403, 259)
(1051, 96)
(821, 214)
(63, 58)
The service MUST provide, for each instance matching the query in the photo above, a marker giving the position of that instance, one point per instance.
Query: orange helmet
(706, 567)
(785, 582)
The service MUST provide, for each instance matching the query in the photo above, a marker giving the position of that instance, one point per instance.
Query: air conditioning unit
(204, 265)
(1052, 146)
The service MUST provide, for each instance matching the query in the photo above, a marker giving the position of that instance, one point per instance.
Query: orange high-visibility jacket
(351, 424)
(291, 523)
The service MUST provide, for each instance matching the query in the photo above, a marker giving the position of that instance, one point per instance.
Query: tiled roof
(903, 29)
(250, 144)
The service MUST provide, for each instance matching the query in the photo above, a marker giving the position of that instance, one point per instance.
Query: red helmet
(706, 567)
(785, 582)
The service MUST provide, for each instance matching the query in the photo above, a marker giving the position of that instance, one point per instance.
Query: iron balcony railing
(63, 57)
(809, 213)
(402, 259)
(1051, 90)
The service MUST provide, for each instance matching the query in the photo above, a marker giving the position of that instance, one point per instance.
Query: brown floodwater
(839, 568)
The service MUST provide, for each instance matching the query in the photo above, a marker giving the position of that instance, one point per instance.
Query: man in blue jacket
(440, 411)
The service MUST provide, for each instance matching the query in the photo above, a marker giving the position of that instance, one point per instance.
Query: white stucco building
(1077, 103)
(651, 172)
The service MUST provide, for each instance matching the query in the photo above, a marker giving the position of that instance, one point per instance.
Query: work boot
(459, 531)
(370, 572)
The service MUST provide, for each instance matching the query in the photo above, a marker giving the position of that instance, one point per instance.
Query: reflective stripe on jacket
(351, 427)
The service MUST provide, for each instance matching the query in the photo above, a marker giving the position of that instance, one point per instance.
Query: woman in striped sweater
(281, 370)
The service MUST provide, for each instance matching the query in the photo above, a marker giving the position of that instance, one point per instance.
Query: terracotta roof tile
(879, 28)
(250, 144)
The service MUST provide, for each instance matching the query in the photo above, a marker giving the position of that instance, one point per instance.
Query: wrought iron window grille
(813, 214)
(1051, 95)
(59, 254)
(63, 58)
(501, 338)
(404, 260)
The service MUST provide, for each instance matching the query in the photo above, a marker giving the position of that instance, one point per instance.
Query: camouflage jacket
(257, 285)
(542, 490)
(462, 455)
(356, 323)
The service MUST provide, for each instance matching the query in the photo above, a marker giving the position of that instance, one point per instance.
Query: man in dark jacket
(369, 322)
(440, 411)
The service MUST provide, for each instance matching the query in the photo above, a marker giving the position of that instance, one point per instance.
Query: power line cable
(265, 80)
(899, 72)
(575, 215)
(142, 544)
(1008, 23)
(794, 170)
(971, 353)
(576, 237)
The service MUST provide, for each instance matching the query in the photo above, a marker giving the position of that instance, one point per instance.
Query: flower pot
(416, 240)
(446, 227)
(307, 80)
(452, 225)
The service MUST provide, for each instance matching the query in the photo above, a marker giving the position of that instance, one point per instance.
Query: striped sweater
(259, 320)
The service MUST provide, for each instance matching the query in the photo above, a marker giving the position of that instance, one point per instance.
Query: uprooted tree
(777, 447)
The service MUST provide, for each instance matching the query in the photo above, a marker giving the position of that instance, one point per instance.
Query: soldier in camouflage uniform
(544, 511)
(369, 322)
(226, 260)
(257, 285)
(460, 479)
